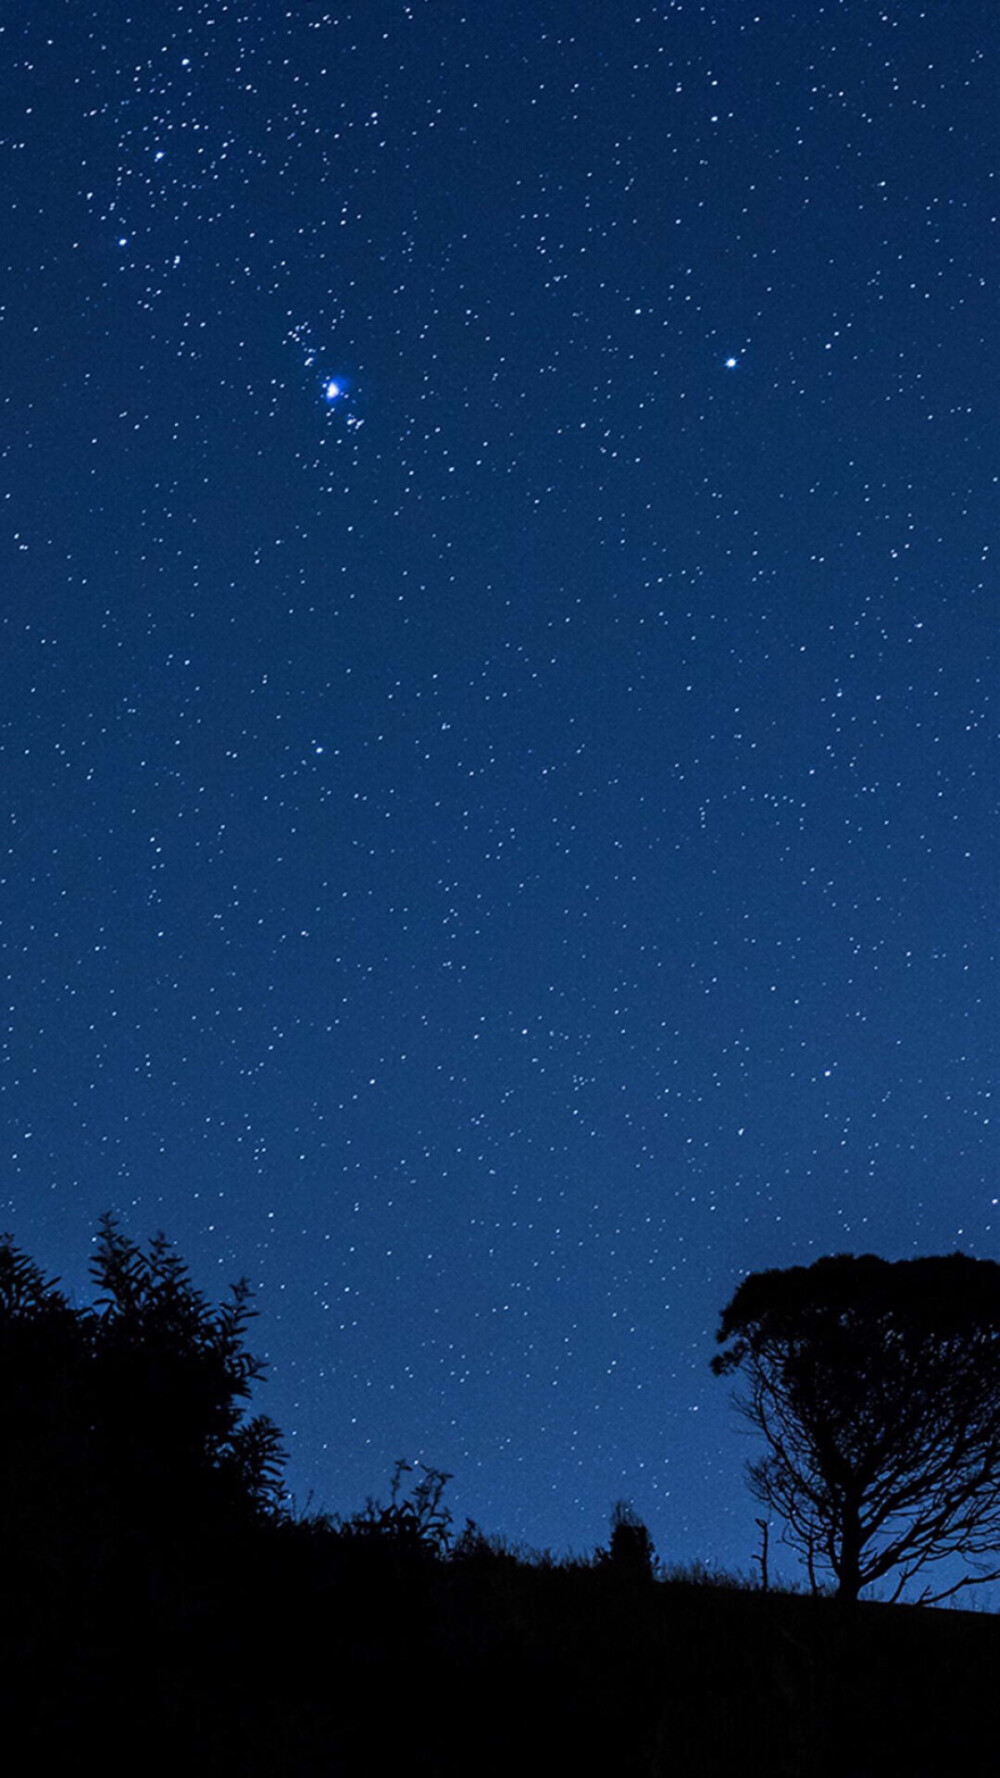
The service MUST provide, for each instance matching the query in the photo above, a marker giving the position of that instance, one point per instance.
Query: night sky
(499, 616)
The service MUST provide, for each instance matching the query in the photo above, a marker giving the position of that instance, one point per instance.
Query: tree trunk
(849, 1572)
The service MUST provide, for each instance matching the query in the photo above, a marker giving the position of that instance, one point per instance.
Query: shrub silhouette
(123, 1422)
(415, 1523)
(44, 1427)
(169, 1375)
(631, 1550)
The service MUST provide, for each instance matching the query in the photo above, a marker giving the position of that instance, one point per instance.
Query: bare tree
(876, 1386)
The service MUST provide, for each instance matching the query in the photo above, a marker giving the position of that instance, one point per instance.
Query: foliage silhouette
(123, 1422)
(415, 1523)
(876, 1385)
(631, 1550)
(43, 1427)
(170, 1374)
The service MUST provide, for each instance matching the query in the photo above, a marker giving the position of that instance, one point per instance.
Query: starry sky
(499, 507)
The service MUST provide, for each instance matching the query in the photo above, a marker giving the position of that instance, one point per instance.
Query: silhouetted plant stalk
(415, 1521)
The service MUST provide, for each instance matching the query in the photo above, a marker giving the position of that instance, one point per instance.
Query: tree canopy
(876, 1386)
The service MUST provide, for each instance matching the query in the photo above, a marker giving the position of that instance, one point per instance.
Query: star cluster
(499, 631)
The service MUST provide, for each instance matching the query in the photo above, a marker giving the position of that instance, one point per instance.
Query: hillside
(295, 1651)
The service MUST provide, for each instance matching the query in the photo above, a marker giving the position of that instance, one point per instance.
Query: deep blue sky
(503, 849)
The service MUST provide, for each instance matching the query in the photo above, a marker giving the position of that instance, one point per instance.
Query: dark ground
(298, 1652)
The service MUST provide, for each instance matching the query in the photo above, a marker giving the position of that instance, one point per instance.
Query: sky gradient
(499, 621)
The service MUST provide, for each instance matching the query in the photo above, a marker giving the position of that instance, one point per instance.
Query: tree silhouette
(43, 1422)
(122, 1423)
(169, 1376)
(876, 1385)
(631, 1549)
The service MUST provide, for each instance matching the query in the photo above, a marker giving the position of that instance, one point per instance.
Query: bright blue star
(336, 391)
(731, 363)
